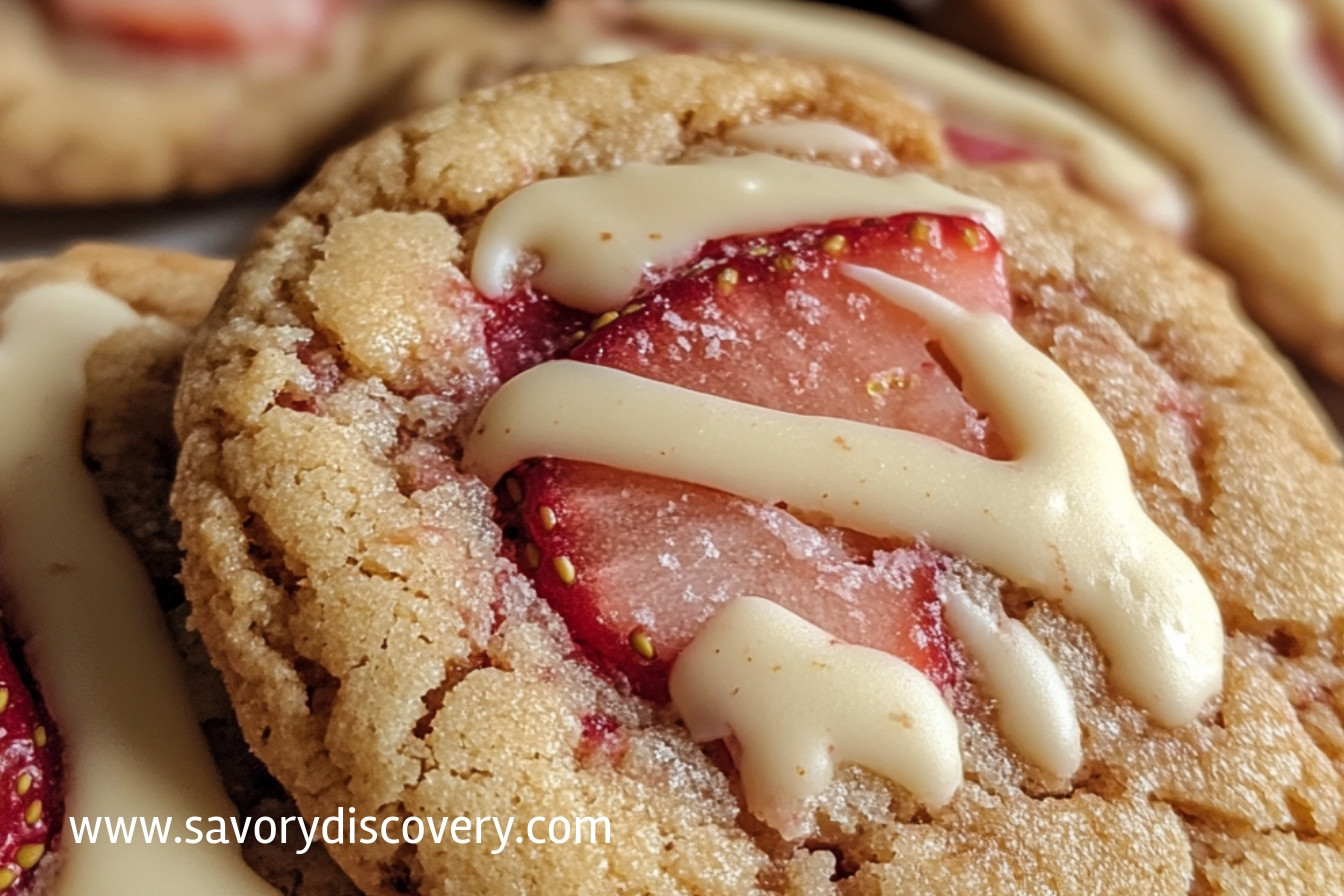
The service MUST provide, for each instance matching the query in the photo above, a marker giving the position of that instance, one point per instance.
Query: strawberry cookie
(106, 100)
(1244, 98)
(692, 464)
(97, 716)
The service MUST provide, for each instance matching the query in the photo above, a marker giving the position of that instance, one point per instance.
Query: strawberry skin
(528, 329)
(30, 795)
(636, 564)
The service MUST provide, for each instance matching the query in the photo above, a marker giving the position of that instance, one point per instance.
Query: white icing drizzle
(962, 88)
(98, 645)
(1269, 44)
(797, 702)
(806, 139)
(1061, 517)
(1095, 549)
(1035, 709)
(596, 235)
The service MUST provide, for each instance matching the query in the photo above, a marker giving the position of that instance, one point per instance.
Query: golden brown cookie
(132, 377)
(380, 621)
(88, 118)
(131, 380)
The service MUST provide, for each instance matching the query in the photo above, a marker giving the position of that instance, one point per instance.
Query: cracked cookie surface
(381, 653)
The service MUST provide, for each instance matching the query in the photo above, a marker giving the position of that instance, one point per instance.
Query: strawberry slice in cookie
(30, 794)
(210, 27)
(637, 564)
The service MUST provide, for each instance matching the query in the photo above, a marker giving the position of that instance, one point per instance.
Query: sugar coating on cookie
(384, 650)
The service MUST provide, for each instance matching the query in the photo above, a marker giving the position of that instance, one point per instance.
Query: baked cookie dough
(384, 652)
(85, 119)
(129, 448)
(1273, 222)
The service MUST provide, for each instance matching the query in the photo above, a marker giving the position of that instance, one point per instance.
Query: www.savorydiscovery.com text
(494, 831)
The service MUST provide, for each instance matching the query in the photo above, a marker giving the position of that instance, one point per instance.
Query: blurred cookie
(989, 114)
(116, 100)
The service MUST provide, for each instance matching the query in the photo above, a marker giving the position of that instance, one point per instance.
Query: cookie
(1133, 68)
(115, 404)
(478, 513)
(116, 101)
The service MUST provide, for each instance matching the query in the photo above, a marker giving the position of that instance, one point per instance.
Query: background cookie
(1275, 230)
(88, 118)
(381, 654)
(130, 449)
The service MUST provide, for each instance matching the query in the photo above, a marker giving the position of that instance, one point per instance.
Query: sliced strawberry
(30, 795)
(771, 321)
(636, 564)
(206, 27)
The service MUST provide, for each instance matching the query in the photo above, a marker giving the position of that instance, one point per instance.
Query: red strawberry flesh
(636, 564)
(771, 321)
(652, 560)
(528, 329)
(30, 787)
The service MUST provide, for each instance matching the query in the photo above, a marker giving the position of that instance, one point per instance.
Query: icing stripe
(806, 139)
(797, 702)
(1035, 708)
(596, 235)
(1269, 45)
